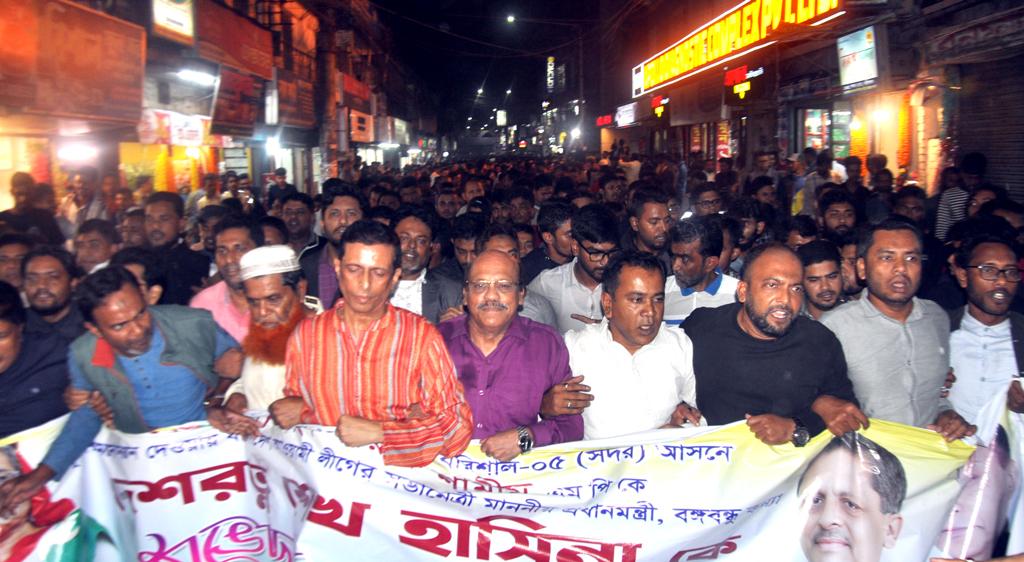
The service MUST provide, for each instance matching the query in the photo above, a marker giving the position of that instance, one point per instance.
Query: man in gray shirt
(896, 345)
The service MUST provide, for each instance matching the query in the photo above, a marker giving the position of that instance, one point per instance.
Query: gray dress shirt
(897, 368)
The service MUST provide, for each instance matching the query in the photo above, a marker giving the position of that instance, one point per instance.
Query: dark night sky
(455, 67)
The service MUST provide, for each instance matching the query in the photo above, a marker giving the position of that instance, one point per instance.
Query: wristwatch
(525, 439)
(800, 435)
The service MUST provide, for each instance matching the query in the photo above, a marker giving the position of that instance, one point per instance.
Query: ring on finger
(568, 404)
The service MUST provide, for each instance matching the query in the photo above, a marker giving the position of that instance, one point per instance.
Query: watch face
(801, 437)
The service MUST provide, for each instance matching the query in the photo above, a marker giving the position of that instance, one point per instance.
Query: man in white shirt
(275, 290)
(639, 371)
(986, 351)
(987, 355)
(697, 279)
(423, 292)
(574, 289)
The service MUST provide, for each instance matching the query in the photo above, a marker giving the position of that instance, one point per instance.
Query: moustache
(492, 305)
(826, 295)
(831, 535)
(43, 294)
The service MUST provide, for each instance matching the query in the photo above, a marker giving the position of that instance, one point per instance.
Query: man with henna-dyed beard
(276, 291)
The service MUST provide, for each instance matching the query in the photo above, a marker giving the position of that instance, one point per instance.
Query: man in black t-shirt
(759, 360)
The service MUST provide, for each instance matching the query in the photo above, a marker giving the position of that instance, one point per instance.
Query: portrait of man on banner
(852, 492)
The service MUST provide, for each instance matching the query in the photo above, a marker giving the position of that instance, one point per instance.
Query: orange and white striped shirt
(398, 362)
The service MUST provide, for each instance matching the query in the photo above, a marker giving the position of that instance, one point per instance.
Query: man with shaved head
(507, 362)
(760, 360)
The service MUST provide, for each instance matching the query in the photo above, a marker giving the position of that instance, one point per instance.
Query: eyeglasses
(709, 203)
(481, 287)
(992, 273)
(596, 255)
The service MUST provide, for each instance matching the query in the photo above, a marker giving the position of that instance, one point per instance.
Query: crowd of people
(521, 302)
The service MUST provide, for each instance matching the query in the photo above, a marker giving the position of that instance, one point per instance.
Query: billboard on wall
(858, 59)
(625, 115)
(63, 59)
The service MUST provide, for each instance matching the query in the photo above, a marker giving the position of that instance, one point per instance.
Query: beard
(54, 308)
(269, 345)
(762, 323)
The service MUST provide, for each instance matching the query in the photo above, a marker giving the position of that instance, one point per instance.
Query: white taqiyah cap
(267, 260)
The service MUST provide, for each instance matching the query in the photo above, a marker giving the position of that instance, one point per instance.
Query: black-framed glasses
(992, 273)
(502, 286)
(596, 255)
(709, 203)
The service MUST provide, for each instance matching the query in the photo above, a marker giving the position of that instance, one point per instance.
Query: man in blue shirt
(154, 367)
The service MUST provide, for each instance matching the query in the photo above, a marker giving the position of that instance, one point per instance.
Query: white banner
(191, 493)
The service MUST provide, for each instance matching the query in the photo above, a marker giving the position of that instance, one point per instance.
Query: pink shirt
(217, 299)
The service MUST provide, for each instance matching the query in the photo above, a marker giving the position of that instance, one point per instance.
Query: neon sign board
(743, 29)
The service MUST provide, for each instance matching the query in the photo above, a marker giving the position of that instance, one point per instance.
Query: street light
(510, 18)
(479, 91)
(508, 92)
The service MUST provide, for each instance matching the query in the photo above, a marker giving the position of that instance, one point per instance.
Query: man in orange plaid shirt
(381, 374)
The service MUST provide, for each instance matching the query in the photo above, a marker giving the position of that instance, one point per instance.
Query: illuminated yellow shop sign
(743, 29)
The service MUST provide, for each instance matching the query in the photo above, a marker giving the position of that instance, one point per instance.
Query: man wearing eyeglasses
(897, 345)
(707, 200)
(986, 346)
(574, 289)
(507, 362)
(987, 356)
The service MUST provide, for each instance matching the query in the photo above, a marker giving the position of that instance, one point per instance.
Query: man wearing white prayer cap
(276, 291)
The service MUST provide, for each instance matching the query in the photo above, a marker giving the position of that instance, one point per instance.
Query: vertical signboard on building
(722, 145)
(174, 20)
(549, 75)
(234, 112)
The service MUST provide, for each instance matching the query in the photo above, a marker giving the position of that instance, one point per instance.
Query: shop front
(969, 94)
(66, 103)
(691, 73)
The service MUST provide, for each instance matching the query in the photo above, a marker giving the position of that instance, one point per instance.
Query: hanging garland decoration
(903, 127)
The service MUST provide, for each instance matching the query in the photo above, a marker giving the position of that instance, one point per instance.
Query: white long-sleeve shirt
(632, 393)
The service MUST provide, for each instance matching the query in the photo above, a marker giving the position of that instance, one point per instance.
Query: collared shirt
(632, 393)
(896, 368)
(217, 299)
(534, 263)
(680, 302)
(567, 296)
(327, 279)
(398, 362)
(984, 362)
(167, 394)
(505, 389)
(32, 388)
(76, 214)
(68, 328)
(409, 294)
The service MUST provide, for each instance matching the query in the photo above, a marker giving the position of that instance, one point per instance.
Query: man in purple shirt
(507, 362)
